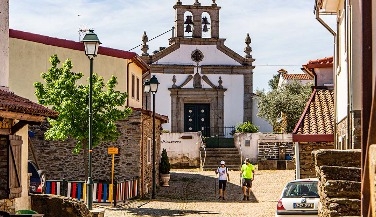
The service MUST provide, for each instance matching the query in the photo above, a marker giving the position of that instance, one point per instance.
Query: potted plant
(164, 168)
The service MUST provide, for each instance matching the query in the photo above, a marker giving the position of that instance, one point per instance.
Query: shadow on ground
(166, 212)
(196, 187)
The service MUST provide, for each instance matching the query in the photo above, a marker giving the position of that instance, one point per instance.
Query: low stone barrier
(54, 205)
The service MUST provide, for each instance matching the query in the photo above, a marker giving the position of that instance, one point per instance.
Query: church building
(204, 85)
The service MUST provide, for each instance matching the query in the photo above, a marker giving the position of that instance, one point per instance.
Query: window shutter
(14, 177)
(4, 187)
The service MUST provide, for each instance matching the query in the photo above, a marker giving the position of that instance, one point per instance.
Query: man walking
(223, 177)
(247, 172)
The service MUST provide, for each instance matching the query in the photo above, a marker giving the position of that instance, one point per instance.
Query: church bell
(205, 22)
(189, 23)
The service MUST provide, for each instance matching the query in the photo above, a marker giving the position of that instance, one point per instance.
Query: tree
(273, 83)
(284, 105)
(71, 100)
(164, 166)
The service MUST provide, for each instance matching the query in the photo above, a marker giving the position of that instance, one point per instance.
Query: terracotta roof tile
(14, 103)
(318, 116)
(320, 63)
(296, 76)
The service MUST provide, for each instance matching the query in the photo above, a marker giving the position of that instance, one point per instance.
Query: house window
(148, 151)
(133, 86)
(138, 89)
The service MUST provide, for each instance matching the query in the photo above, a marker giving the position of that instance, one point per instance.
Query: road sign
(113, 150)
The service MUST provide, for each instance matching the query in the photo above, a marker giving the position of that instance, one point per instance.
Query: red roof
(14, 103)
(317, 120)
(296, 76)
(320, 63)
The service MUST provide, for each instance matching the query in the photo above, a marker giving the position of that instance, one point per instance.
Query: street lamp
(152, 86)
(91, 43)
(146, 90)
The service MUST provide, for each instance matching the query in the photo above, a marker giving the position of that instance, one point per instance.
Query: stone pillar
(179, 21)
(248, 94)
(4, 45)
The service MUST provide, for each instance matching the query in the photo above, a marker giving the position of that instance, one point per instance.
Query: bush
(246, 127)
(164, 166)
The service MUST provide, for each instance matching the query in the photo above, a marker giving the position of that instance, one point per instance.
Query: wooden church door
(197, 118)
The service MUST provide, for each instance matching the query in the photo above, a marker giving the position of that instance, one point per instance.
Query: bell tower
(193, 21)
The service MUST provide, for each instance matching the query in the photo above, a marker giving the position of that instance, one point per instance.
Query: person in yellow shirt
(247, 172)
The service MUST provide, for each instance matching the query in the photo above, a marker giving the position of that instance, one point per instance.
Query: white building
(204, 85)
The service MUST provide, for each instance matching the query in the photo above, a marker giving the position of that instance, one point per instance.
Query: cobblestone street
(193, 193)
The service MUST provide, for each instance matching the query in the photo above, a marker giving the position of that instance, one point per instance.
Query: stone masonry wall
(7, 205)
(270, 150)
(306, 160)
(339, 184)
(53, 206)
(57, 159)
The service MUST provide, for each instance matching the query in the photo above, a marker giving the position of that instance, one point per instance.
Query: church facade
(204, 85)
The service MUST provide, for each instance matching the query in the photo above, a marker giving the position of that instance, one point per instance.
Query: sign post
(112, 151)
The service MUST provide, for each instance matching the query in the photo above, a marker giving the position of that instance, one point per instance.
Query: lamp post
(152, 86)
(91, 43)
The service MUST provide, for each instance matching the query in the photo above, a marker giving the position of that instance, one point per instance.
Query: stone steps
(342, 207)
(340, 182)
(214, 155)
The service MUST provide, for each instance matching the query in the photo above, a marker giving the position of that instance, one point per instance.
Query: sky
(284, 33)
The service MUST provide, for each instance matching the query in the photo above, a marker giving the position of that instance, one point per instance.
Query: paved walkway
(192, 193)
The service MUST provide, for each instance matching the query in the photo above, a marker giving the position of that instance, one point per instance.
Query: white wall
(324, 76)
(24, 201)
(182, 147)
(212, 56)
(341, 72)
(233, 100)
(263, 125)
(248, 143)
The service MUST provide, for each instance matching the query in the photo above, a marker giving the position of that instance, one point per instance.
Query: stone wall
(306, 160)
(357, 132)
(53, 206)
(57, 159)
(7, 205)
(339, 185)
(271, 150)
(342, 132)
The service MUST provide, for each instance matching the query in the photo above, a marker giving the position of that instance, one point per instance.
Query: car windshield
(301, 189)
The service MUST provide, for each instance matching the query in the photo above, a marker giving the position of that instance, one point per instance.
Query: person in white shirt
(223, 177)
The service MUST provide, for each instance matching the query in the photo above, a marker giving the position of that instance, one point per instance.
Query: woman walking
(223, 177)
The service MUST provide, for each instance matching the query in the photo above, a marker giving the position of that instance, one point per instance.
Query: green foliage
(70, 99)
(246, 127)
(289, 100)
(273, 83)
(164, 166)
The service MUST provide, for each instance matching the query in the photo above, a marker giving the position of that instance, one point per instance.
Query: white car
(299, 198)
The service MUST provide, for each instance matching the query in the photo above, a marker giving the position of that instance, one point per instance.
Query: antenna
(82, 32)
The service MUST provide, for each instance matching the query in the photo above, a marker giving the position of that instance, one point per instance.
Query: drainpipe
(297, 160)
(128, 81)
(317, 12)
(322, 22)
(350, 115)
